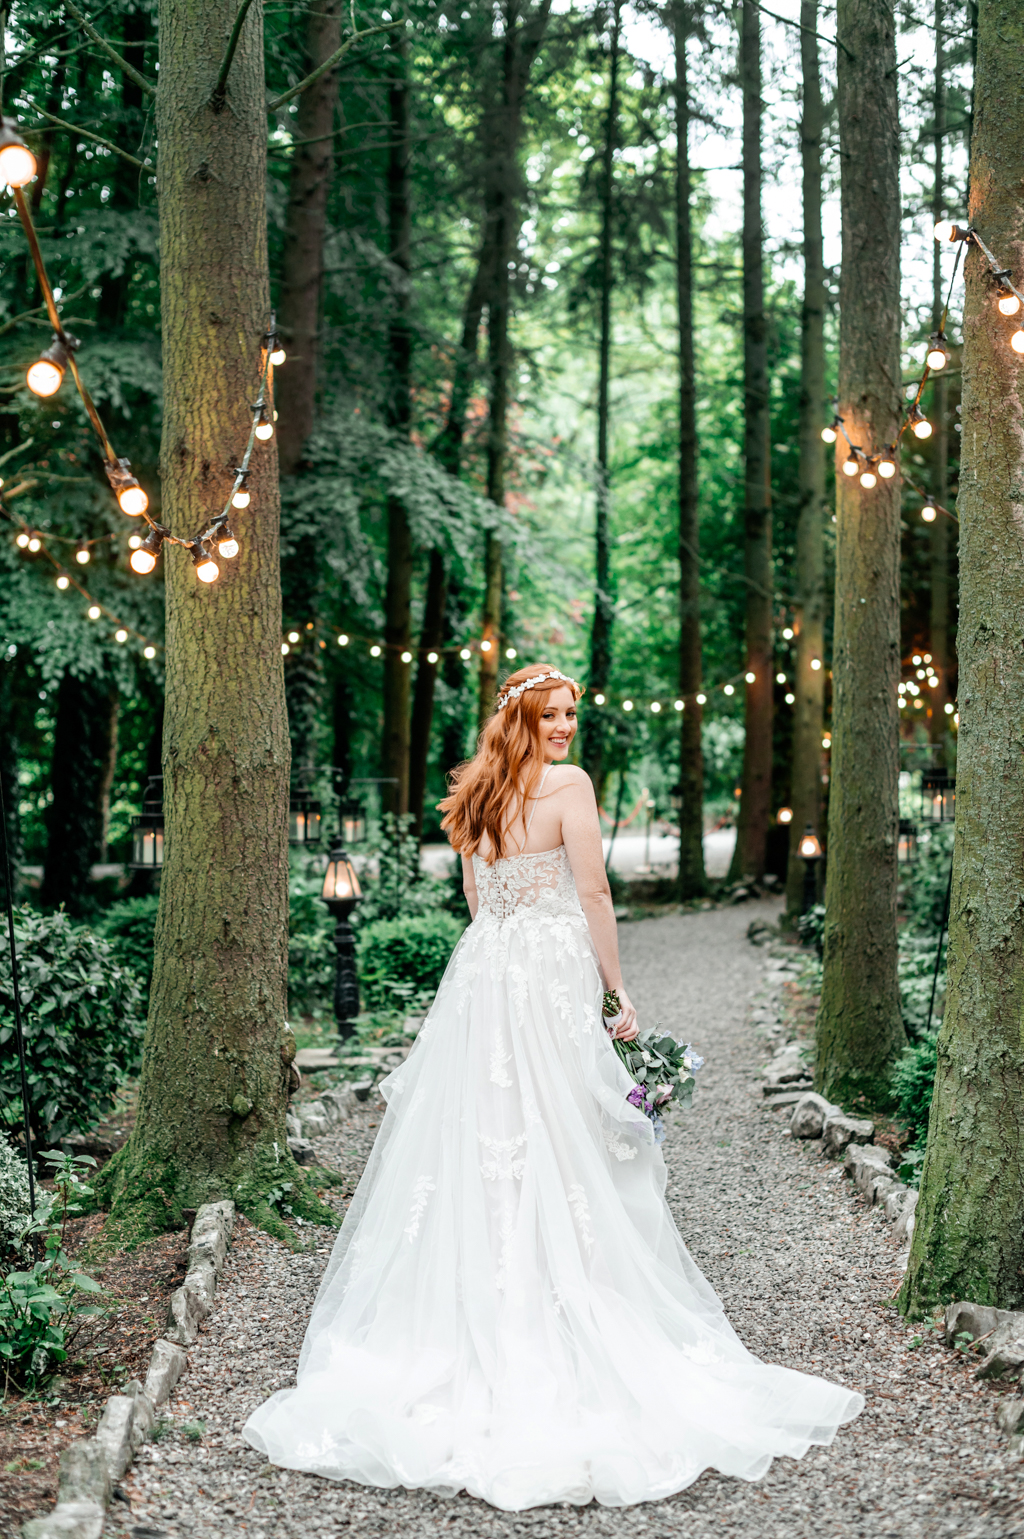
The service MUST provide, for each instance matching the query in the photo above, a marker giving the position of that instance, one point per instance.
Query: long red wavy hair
(485, 791)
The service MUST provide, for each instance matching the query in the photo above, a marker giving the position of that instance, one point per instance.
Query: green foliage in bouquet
(664, 1070)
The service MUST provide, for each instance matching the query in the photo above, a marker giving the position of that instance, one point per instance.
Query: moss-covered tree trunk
(692, 880)
(213, 1090)
(809, 684)
(969, 1233)
(755, 803)
(859, 1029)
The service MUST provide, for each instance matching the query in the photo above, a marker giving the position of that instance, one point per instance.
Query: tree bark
(859, 1030)
(604, 597)
(692, 880)
(755, 802)
(431, 640)
(398, 597)
(213, 1087)
(969, 1233)
(302, 259)
(938, 725)
(84, 725)
(809, 684)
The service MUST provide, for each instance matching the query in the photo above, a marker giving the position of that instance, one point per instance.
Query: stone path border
(90, 1468)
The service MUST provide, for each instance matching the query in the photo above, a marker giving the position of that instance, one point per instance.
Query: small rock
(799, 1085)
(311, 1116)
(165, 1369)
(880, 1186)
(293, 1127)
(68, 1520)
(974, 1320)
(302, 1151)
(84, 1476)
(759, 933)
(739, 895)
(114, 1434)
(808, 1119)
(904, 1227)
(788, 1098)
(1010, 1416)
(840, 1131)
(313, 1059)
(894, 1201)
(362, 1088)
(338, 1104)
(863, 1164)
(1005, 1350)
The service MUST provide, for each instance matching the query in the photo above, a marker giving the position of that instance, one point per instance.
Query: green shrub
(310, 949)
(913, 1083)
(916, 973)
(128, 926)
(811, 928)
(81, 1016)
(403, 960)
(14, 1207)
(925, 881)
(399, 889)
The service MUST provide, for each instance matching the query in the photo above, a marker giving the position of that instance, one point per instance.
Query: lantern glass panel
(303, 819)
(938, 796)
(353, 822)
(906, 846)
(340, 881)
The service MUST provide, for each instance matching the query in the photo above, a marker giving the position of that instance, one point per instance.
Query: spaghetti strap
(535, 799)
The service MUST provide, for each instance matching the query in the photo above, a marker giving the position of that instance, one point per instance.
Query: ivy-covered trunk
(213, 1088)
(859, 1029)
(969, 1232)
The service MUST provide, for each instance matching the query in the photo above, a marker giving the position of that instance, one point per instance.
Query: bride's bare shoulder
(569, 778)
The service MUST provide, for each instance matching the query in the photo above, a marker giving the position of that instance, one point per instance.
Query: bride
(509, 1308)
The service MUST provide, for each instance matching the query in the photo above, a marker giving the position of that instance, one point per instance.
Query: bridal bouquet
(664, 1070)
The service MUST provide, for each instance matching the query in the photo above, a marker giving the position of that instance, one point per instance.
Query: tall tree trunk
(431, 639)
(809, 685)
(213, 1088)
(302, 260)
(692, 881)
(969, 1232)
(604, 597)
(83, 725)
(755, 802)
(859, 1030)
(398, 598)
(938, 725)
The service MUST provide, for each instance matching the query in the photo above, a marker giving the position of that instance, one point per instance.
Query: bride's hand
(627, 1028)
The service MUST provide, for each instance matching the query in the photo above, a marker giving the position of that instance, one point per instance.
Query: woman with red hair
(509, 1308)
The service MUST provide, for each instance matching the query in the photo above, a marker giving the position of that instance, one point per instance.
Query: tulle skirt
(509, 1309)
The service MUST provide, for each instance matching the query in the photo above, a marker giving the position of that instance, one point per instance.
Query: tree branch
(833, 42)
(112, 53)
(219, 93)
(72, 128)
(328, 64)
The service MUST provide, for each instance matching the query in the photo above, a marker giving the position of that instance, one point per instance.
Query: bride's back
(537, 826)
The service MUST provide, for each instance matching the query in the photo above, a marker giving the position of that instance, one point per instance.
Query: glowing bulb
(485, 646)
(1017, 341)
(850, 465)
(1009, 304)
(142, 561)
(829, 435)
(784, 815)
(868, 479)
(44, 377)
(944, 230)
(679, 704)
(35, 543)
(826, 742)
(285, 649)
(627, 705)
(780, 678)
(928, 513)
(655, 706)
(465, 654)
(927, 657)
(21, 541)
(278, 357)
(207, 570)
(133, 501)
(407, 657)
(887, 467)
(511, 652)
(948, 708)
(729, 690)
(241, 498)
(375, 651)
(702, 699)
(936, 358)
(228, 547)
(431, 657)
(343, 640)
(923, 428)
(903, 702)
(83, 555)
(63, 582)
(17, 162)
(790, 699)
(94, 611)
(599, 700)
(815, 663)
(149, 652)
(264, 430)
(121, 636)
(293, 637)
(788, 633)
(749, 677)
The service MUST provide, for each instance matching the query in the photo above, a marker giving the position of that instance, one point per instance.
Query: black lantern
(353, 821)
(938, 796)
(148, 829)
(906, 844)
(303, 818)
(810, 852)
(341, 892)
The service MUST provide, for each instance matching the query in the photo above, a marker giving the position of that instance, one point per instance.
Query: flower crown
(540, 678)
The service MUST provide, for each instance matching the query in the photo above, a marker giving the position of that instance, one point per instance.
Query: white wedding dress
(509, 1308)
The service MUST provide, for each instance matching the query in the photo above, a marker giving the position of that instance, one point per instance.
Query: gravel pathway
(804, 1271)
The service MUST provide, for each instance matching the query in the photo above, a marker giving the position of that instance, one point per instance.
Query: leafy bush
(41, 1311)
(399, 888)
(403, 959)
(925, 881)
(310, 949)
(128, 926)
(14, 1208)
(913, 1082)
(916, 972)
(811, 928)
(81, 1015)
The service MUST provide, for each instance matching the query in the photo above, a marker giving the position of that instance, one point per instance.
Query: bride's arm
(469, 885)
(581, 834)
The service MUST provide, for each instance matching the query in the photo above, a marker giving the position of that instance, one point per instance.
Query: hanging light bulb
(829, 433)
(227, 545)
(868, 479)
(207, 569)
(63, 581)
(948, 229)
(919, 424)
(1009, 303)
(143, 560)
(702, 699)
(728, 690)
(278, 355)
(627, 705)
(94, 611)
(149, 652)
(375, 650)
(293, 637)
(938, 354)
(750, 677)
(511, 652)
(1017, 341)
(17, 162)
(241, 498)
(264, 426)
(407, 657)
(44, 376)
(83, 555)
(655, 706)
(121, 636)
(130, 496)
(887, 463)
(22, 540)
(928, 513)
(34, 543)
(851, 464)
(343, 640)
(485, 646)
(465, 654)
(431, 657)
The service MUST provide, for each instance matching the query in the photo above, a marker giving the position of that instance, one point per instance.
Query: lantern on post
(148, 829)
(810, 853)
(906, 843)
(353, 821)
(303, 818)
(341, 892)
(938, 796)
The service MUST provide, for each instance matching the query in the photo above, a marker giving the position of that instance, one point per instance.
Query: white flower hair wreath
(540, 678)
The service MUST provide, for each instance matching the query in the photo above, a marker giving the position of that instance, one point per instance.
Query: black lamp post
(810, 853)
(148, 829)
(341, 893)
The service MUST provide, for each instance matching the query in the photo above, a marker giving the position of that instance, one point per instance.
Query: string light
(17, 162)
(887, 463)
(375, 651)
(815, 664)
(63, 581)
(278, 356)
(82, 553)
(1017, 341)
(851, 464)
(750, 677)
(431, 657)
(285, 649)
(928, 513)
(465, 654)
(264, 426)
(918, 423)
(511, 652)
(702, 699)
(788, 633)
(293, 636)
(868, 479)
(627, 705)
(485, 646)
(149, 652)
(790, 699)
(94, 611)
(343, 640)
(407, 657)
(207, 569)
(599, 699)
(829, 434)
(227, 545)
(121, 636)
(938, 354)
(144, 559)
(780, 678)
(241, 498)
(655, 706)
(679, 705)
(1009, 304)
(22, 541)
(35, 543)
(729, 690)
(44, 376)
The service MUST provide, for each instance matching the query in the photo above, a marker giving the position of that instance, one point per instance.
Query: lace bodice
(540, 883)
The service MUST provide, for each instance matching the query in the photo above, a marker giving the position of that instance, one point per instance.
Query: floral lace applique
(499, 1073)
(540, 884)
(703, 1353)
(506, 1233)
(503, 1165)
(421, 1191)
(577, 1199)
(618, 1146)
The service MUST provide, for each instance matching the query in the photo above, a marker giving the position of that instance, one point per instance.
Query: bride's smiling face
(557, 725)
